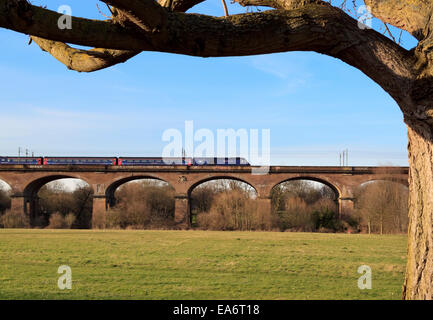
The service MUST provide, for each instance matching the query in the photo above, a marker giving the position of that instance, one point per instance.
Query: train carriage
(155, 161)
(106, 161)
(21, 160)
(231, 161)
(126, 161)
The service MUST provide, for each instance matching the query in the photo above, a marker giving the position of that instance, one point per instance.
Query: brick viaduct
(26, 180)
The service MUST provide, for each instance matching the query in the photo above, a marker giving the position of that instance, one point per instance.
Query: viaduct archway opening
(306, 204)
(59, 202)
(381, 206)
(5, 196)
(140, 202)
(222, 202)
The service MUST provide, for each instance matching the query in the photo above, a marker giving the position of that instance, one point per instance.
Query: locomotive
(125, 161)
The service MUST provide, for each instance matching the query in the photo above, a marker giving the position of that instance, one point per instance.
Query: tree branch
(20, 16)
(280, 4)
(146, 14)
(179, 5)
(312, 27)
(83, 60)
(412, 16)
(97, 58)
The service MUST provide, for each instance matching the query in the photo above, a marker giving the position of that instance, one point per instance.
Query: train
(125, 161)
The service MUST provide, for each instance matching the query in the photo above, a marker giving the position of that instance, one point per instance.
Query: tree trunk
(419, 273)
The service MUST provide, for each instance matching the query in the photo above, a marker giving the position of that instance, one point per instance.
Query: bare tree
(297, 204)
(295, 25)
(233, 209)
(144, 204)
(382, 207)
(202, 198)
(55, 199)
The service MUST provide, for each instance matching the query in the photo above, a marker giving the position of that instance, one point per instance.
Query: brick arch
(6, 182)
(34, 186)
(9, 192)
(337, 191)
(188, 216)
(401, 181)
(111, 189)
(220, 177)
(31, 201)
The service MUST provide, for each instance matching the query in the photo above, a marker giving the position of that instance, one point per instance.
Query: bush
(56, 200)
(351, 223)
(234, 210)
(382, 207)
(327, 220)
(57, 221)
(70, 220)
(14, 219)
(297, 216)
(135, 217)
(299, 205)
(116, 219)
(142, 206)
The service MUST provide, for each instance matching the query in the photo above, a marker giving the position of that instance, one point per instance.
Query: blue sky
(314, 105)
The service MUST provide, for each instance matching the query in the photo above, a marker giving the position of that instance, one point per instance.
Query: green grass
(198, 265)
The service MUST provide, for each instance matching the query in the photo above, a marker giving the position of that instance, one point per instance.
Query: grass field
(198, 265)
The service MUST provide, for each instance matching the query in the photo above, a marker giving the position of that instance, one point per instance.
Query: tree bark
(419, 273)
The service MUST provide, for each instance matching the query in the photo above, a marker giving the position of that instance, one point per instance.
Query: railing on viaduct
(26, 180)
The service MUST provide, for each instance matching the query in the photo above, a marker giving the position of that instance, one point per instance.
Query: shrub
(351, 223)
(99, 219)
(234, 210)
(327, 220)
(55, 199)
(143, 205)
(14, 219)
(296, 217)
(57, 221)
(382, 207)
(115, 219)
(70, 220)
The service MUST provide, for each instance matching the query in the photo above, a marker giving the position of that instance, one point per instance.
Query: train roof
(83, 157)
(21, 157)
(152, 157)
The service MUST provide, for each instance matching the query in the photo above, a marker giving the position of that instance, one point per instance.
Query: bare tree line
(64, 209)
(296, 206)
(145, 204)
(382, 207)
(300, 205)
(228, 205)
(56, 209)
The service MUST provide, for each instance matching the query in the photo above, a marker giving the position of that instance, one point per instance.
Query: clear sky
(315, 106)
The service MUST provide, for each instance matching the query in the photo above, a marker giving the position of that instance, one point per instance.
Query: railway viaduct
(26, 180)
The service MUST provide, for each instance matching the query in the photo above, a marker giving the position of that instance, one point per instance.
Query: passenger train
(124, 161)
